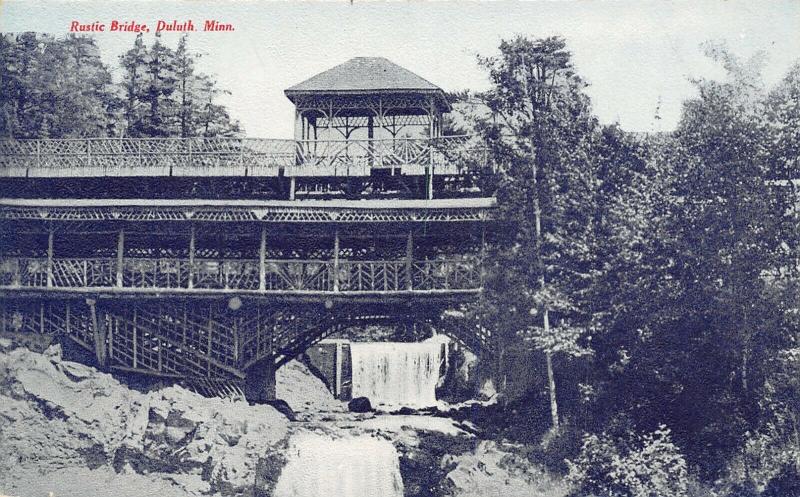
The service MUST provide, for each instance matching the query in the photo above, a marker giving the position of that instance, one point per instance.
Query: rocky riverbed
(69, 429)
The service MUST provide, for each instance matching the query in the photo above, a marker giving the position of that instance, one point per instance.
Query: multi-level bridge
(223, 258)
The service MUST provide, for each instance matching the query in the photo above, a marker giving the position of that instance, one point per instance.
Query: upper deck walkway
(238, 157)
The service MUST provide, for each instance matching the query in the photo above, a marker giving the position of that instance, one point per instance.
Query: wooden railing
(276, 276)
(234, 156)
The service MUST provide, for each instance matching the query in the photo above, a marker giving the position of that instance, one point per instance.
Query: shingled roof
(365, 75)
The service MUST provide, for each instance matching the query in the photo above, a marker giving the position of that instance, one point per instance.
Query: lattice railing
(155, 273)
(286, 275)
(229, 156)
(226, 274)
(446, 274)
(355, 276)
(299, 275)
(72, 273)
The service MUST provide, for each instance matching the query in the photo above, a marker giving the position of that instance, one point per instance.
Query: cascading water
(321, 466)
(396, 374)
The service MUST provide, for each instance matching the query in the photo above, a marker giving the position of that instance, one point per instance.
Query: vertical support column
(135, 333)
(298, 125)
(112, 324)
(191, 256)
(120, 256)
(99, 332)
(300, 148)
(370, 144)
(262, 260)
(409, 259)
(236, 340)
(338, 362)
(432, 135)
(209, 346)
(50, 258)
(336, 260)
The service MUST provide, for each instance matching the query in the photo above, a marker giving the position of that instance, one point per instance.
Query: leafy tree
(541, 132)
(691, 244)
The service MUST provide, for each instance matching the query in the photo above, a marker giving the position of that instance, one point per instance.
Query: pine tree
(133, 63)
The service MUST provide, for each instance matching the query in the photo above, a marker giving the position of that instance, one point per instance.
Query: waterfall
(321, 466)
(396, 374)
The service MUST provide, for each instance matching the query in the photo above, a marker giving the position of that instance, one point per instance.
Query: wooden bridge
(220, 259)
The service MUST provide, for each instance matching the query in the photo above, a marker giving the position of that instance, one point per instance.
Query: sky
(637, 56)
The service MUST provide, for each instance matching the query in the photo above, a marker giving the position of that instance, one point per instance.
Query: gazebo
(370, 114)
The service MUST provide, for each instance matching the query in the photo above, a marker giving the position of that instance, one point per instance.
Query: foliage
(645, 466)
(167, 96)
(60, 88)
(667, 262)
(54, 87)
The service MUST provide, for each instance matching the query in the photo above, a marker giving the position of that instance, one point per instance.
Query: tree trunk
(551, 380)
(537, 212)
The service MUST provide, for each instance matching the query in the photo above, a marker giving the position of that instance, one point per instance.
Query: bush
(645, 466)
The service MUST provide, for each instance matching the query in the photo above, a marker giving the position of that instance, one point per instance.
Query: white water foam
(321, 466)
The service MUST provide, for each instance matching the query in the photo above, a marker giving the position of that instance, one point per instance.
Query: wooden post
(120, 256)
(262, 260)
(111, 325)
(292, 186)
(99, 333)
(134, 338)
(236, 340)
(338, 362)
(66, 320)
(336, 260)
(409, 259)
(432, 135)
(191, 256)
(208, 351)
(370, 144)
(50, 258)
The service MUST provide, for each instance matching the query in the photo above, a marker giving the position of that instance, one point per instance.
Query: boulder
(404, 411)
(359, 404)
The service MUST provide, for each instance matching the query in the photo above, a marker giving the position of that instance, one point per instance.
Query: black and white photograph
(399, 248)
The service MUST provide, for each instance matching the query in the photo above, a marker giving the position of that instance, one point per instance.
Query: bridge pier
(260, 385)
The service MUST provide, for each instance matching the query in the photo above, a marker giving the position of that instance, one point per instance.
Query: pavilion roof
(367, 75)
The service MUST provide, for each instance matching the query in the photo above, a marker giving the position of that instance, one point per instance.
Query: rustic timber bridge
(220, 259)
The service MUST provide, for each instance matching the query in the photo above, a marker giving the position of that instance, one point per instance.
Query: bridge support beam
(260, 383)
(99, 332)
